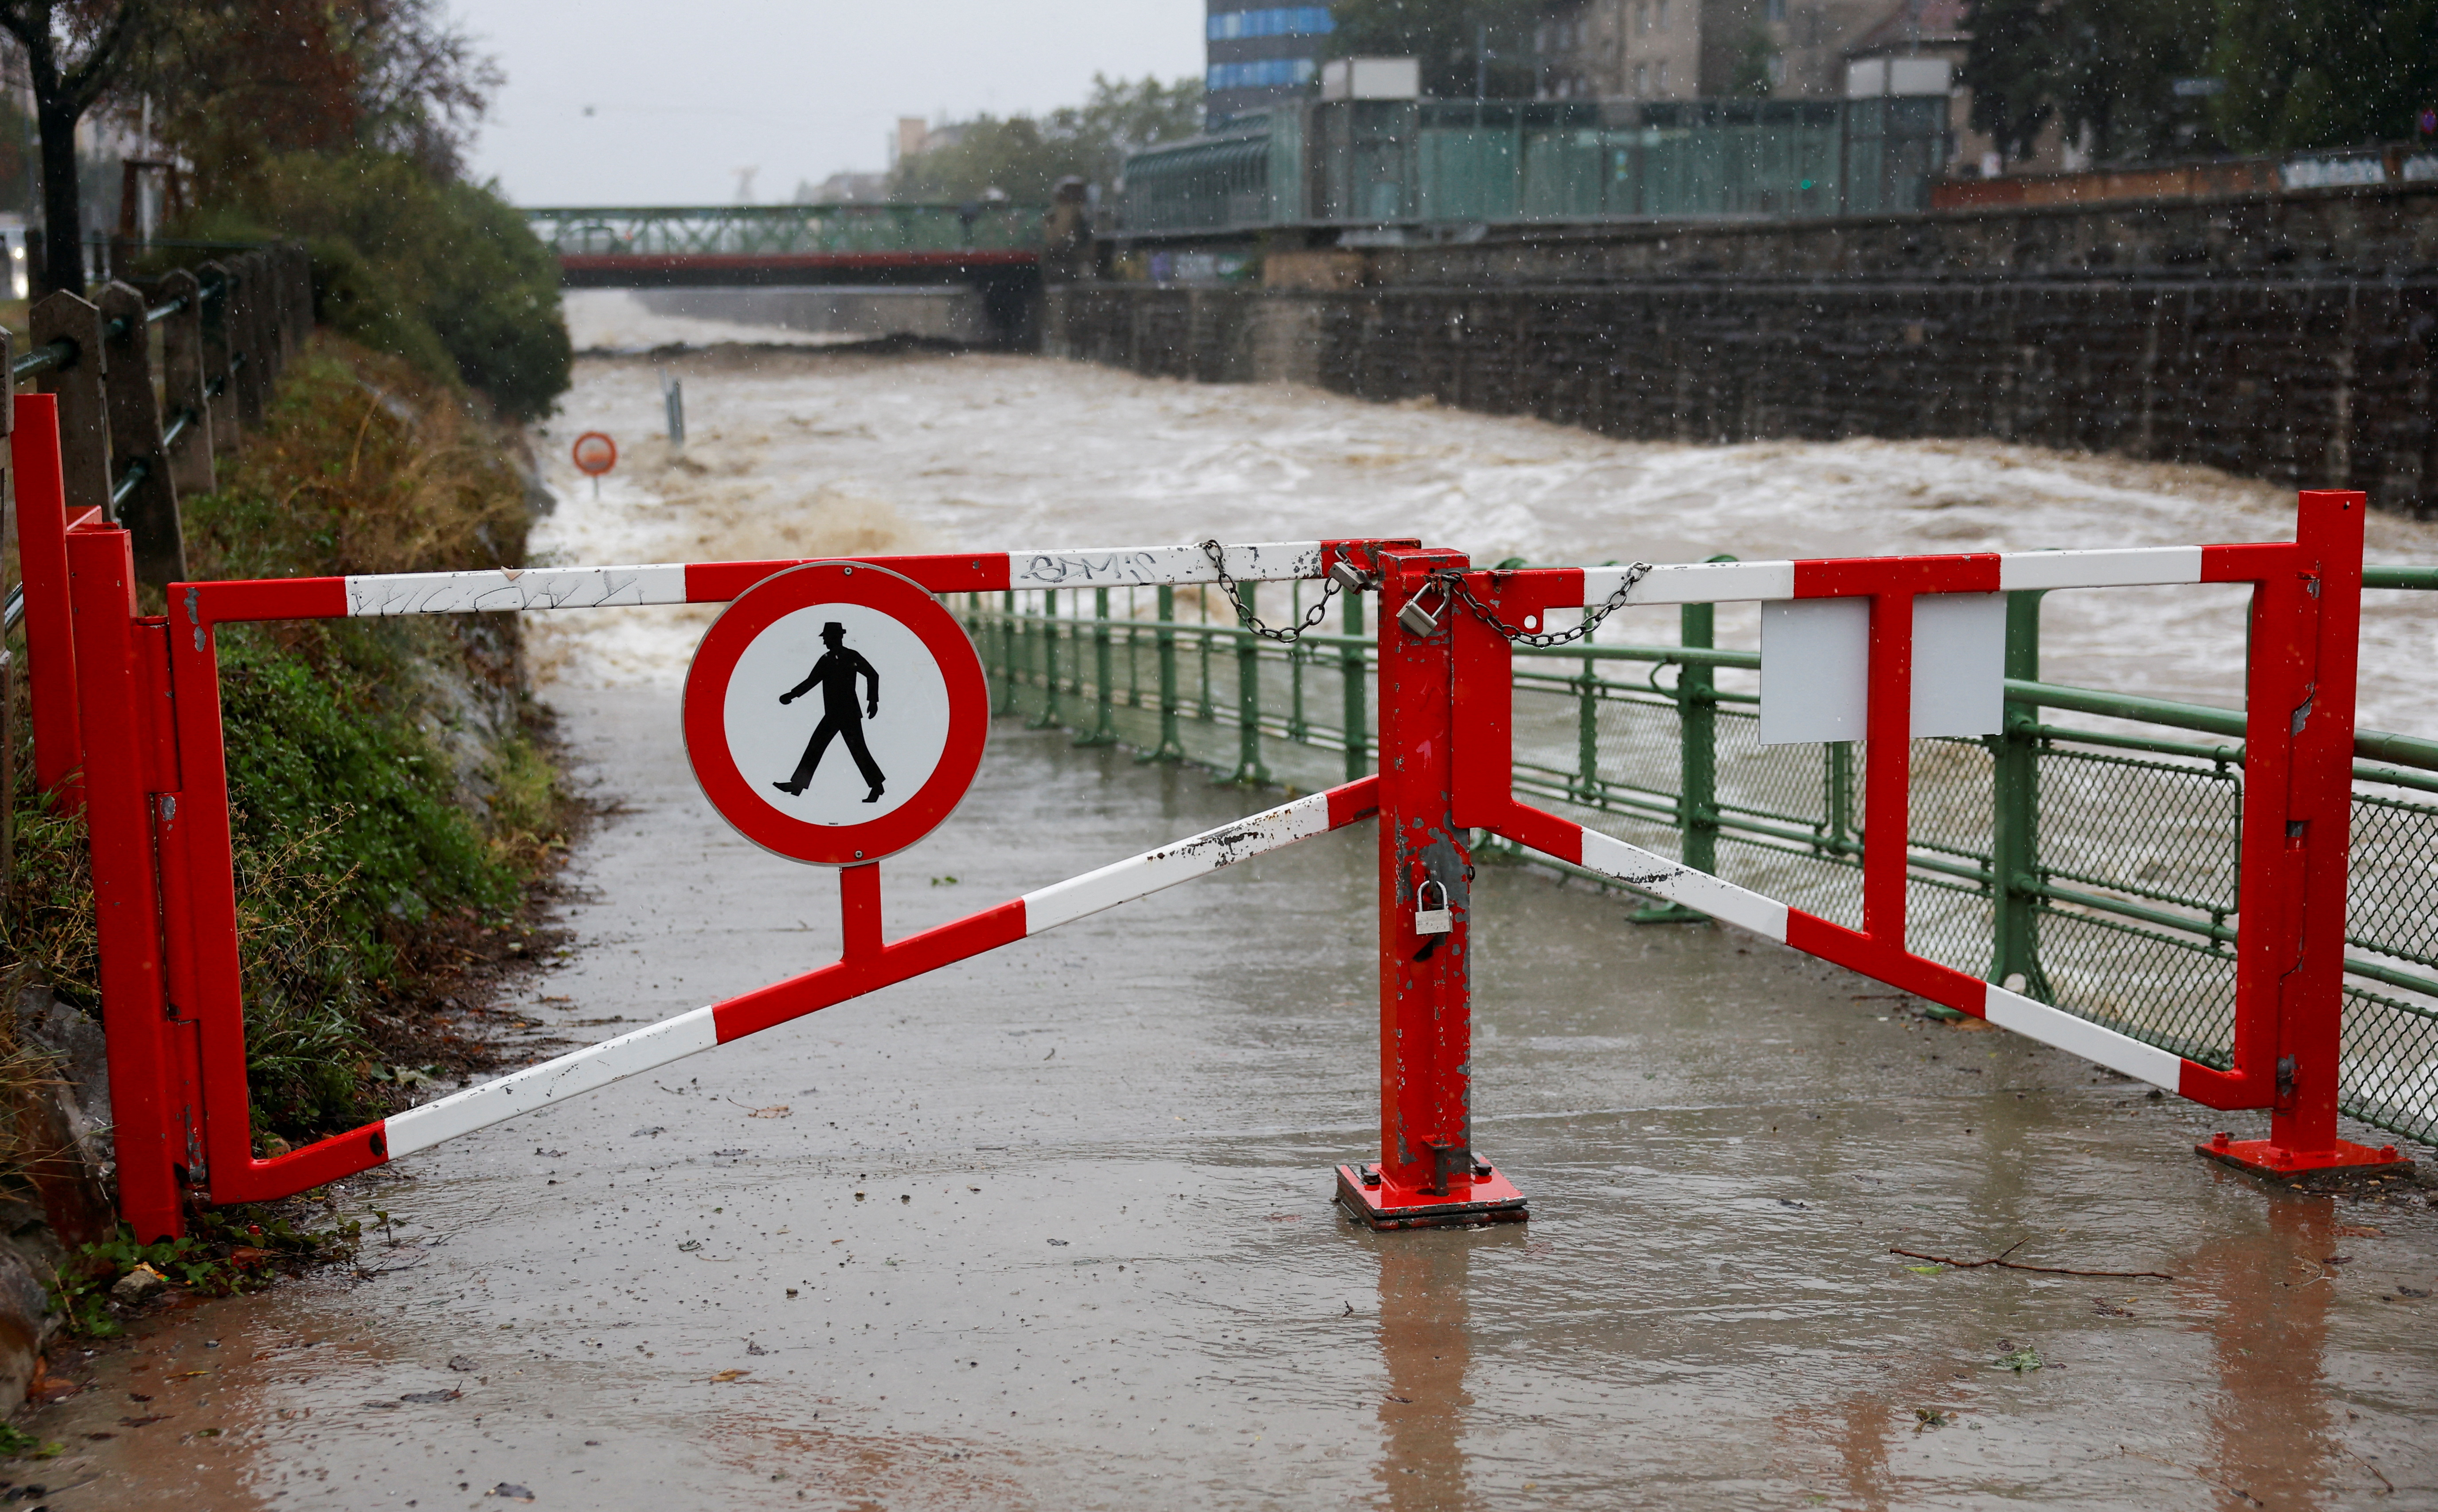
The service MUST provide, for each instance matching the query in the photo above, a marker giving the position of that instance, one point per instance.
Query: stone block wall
(2287, 338)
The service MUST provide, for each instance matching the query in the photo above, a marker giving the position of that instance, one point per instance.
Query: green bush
(443, 274)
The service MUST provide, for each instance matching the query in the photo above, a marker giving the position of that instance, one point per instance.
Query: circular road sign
(834, 713)
(594, 453)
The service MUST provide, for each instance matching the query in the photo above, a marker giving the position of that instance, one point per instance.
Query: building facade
(1712, 49)
(1257, 53)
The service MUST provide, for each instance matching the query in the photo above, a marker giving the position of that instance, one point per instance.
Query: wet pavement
(1052, 1228)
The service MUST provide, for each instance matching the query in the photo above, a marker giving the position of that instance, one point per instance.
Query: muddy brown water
(1052, 1228)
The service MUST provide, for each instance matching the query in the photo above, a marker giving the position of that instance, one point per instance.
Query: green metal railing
(2094, 869)
(770, 230)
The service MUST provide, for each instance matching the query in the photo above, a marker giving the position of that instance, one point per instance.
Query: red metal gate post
(2298, 832)
(128, 743)
(50, 634)
(1428, 1175)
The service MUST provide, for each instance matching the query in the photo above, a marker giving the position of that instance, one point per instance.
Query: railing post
(1697, 768)
(1049, 618)
(250, 362)
(150, 509)
(181, 384)
(1104, 732)
(220, 296)
(1351, 667)
(1172, 743)
(1586, 783)
(1297, 728)
(85, 413)
(1838, 778)
(1007, 667)
(2015, 801)
(1248, 697)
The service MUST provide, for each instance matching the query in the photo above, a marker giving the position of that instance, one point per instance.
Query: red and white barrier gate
(131, 703)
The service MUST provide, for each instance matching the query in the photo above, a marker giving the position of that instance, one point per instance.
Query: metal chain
(1452, 584)
(1245, 617)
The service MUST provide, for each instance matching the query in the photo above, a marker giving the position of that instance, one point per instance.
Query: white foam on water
(826, 453)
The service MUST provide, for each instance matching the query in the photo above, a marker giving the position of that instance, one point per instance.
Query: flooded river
(1052, 1228)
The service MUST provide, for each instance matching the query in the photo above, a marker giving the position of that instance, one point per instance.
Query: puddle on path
(1093, 1263)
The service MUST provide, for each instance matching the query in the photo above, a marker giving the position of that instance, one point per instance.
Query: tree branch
(2003, 1263)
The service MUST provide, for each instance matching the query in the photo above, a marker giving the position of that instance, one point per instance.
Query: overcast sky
(683, 95)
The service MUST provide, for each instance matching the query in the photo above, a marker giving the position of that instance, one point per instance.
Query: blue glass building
(1258, 53)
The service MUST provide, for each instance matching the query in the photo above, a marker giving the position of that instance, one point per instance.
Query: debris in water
(506, 1492)
(776, 1110)
(1929, 1417)
(1060, 1243)
(2016, 1359)
(459, 1362)
(730, 1375)
(655, 1129)
(554, 1154)
(725, 1154)
(429, 1396)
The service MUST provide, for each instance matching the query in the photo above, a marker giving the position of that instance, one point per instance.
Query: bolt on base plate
(1490, 1198)
(2262, 1158)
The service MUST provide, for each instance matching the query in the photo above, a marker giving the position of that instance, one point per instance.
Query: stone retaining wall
(2287, 338)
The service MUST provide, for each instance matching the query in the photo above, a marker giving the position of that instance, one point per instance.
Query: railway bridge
(994, 247)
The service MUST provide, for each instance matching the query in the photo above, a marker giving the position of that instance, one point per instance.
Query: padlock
(1418, 620)
(1438, 920)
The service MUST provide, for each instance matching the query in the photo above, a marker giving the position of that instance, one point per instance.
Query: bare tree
(73, 51)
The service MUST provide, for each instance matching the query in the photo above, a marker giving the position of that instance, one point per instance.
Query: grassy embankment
(396, 807)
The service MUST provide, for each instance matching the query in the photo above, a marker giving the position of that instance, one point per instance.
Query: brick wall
(2287, 338)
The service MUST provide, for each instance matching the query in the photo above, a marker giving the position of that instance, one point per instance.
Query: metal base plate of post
(2263, 1158)
(1369, 1200)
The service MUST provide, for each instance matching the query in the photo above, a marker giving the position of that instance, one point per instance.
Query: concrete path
(1053, 1229)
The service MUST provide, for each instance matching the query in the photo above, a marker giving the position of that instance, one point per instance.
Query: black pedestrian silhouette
(836, 672)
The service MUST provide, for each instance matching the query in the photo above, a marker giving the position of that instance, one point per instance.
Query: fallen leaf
(246, 1255)
(509, 1493)
(724, 1154)
(776, 1110)
(2356, 1231)
(432, 1396)
(552, 1154)
(730, 1375)
(460, 1363)
(655, 1129)
(189, 1375)
(2410, 1292)
(140, 1422)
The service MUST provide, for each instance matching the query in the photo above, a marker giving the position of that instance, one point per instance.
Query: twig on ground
(2002, 1262)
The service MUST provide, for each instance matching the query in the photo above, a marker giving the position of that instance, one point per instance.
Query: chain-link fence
(2097, 870)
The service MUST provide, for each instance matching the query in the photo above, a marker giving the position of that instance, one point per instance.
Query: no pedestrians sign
(834, 713)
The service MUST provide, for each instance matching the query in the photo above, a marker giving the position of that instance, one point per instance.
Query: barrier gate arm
(147, 738)
(2305, 628)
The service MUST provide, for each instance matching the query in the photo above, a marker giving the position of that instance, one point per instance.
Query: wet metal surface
(1052, 1228)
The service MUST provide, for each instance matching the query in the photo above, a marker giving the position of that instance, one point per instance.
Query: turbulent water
(811, 452)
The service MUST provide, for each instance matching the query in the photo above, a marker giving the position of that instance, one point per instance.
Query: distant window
(1282, 21)
(1268, 73)
(1663, 78)
(1775, 9)
(1663, 25)
(1776, 70)
(1641, 80)
(1642, 18)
